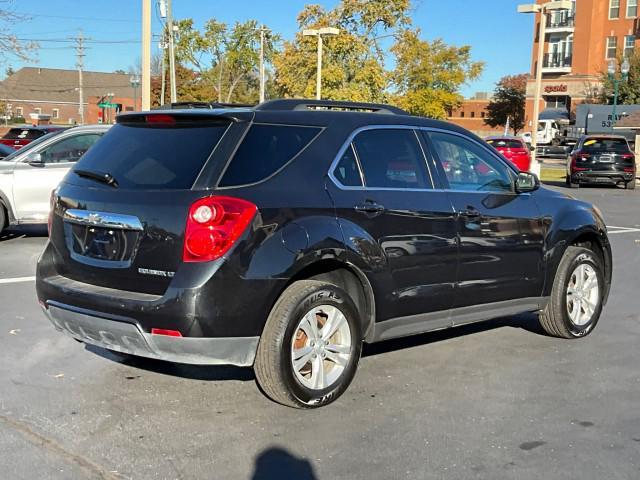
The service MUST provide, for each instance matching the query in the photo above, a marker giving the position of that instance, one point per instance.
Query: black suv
(602, 159)
(284, 236)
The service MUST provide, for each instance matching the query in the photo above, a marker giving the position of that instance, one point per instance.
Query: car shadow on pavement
(527, 321)
(24, 231)
(276, 463)
(209, 373)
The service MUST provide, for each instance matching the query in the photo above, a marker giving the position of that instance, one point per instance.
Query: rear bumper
(124, 335)
(595, 176)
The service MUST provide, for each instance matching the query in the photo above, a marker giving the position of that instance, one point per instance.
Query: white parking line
(16, 280)
(612, 229)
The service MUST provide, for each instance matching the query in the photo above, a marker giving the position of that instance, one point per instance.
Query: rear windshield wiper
(103, 177)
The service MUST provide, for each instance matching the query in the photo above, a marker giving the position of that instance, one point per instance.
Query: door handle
(370, 208)
(469, 212)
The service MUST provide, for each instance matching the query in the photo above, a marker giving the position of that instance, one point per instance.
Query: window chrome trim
(103, 219)
(415, 128)
(349, 142)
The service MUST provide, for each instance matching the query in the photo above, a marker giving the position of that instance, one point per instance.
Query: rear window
(265, 150)
(505, 143)
(154, 157)
(23, 134)
(605, 145)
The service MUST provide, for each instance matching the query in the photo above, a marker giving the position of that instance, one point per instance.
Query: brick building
(578, 45)
(471, 114)
(54, 92)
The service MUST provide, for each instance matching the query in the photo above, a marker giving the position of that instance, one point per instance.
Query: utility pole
(262, 79)
(146, 54)
(80, 64)
(172, 56)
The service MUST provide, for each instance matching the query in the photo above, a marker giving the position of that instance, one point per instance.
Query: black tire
(574, 184)
(630, 185)
(555, 318)
(3, 218)
(273, 369)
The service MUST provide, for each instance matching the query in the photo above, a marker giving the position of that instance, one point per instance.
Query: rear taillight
(165, 332)
(214, 225)
(628, 156)
(629, 169)
(583, 156)
(52, 206)
(160, 119)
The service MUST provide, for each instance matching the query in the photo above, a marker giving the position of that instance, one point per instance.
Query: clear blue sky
(498, 35)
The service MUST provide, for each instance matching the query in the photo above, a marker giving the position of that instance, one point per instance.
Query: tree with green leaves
(353, 61)
(508, 103)
(224, 59)
(628, 88)
(428, 75)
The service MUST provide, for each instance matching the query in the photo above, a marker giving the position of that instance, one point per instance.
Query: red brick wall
(470, 115)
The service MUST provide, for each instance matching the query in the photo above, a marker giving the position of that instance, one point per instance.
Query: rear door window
(392, 158)
(264, 151)
(154, 157)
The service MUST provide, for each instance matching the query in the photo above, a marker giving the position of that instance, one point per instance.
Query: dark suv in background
(284, 236)
(602, 159)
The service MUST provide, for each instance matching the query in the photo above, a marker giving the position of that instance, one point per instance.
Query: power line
(95, 19)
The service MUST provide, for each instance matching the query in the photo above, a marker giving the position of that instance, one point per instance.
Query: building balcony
(556, 63)
(561, 23)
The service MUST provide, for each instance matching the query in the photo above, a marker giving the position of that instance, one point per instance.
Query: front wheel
(3, 218)
(310, 347)
(576, 298)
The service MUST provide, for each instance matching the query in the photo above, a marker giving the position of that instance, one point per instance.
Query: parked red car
(513, 149)
(18, 137)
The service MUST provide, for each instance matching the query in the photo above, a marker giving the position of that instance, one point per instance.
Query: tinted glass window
(391, 158)
(166, 157)
(265, 150)
(505, 143)
(468, 166)
(24, 134)
(605, 145)
(69, 149)
(347, 172)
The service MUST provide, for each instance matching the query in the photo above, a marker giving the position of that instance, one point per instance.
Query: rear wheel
(576, 298)
(631, 185)
(310, 346)
(3, 218)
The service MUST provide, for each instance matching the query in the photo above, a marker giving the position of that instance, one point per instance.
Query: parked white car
(28, 176)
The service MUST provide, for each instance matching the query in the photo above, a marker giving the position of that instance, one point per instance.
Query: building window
(473, 114)
(462, 114)
(19, 111)
(629, 45)
(37, 110)
(612, 43)
(632, 8)
(482, 114)
(55, 113)
(614, 9)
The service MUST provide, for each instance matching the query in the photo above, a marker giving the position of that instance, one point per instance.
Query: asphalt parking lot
(498, 400)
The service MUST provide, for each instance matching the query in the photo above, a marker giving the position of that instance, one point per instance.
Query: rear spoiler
(186, 116)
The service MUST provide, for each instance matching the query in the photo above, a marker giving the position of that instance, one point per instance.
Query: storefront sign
(562, 88)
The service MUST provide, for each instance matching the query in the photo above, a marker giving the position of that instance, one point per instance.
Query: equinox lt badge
(159, 273)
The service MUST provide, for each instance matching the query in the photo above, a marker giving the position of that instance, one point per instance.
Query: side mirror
(527, 182)
(35, 159)
(532, 149)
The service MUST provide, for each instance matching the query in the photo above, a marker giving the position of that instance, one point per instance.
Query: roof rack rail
(332, 105)
(207, 105)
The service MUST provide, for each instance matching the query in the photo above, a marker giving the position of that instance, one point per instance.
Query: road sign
(108, 105)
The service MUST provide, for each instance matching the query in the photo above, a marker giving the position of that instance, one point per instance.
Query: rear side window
(265, 150)
(154, 157)
(391, 158)
(24, 134)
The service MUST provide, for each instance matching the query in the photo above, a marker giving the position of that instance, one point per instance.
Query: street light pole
(542, 10)
(624, 70)
(319, 33)
(262, 79)
(146, 54)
